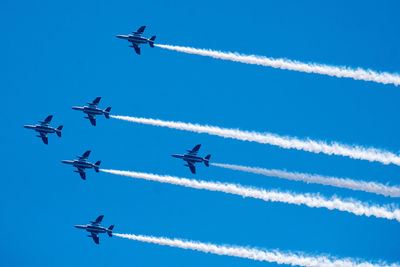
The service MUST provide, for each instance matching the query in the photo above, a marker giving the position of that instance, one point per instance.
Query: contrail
(371, 187)
(294, 259)
(312, 201)
(286, 64)
(333, 148)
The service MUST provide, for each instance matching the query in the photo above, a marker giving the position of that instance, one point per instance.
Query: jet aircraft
(95, 229)
(81, 164)
(136, 39)
(191, 158)
(92, 110)
(43, 129)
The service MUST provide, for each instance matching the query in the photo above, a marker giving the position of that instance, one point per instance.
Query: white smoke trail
(312, 201)
(355, 152)
(371, 187)
(286, 64)
(294, 259)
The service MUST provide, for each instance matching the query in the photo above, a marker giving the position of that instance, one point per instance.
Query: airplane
(95, 229)
(136, 39)
(43, 129)
(92, 111)
(81, 164)
(191, 158)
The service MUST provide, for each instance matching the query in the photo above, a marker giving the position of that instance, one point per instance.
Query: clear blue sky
(58, 54)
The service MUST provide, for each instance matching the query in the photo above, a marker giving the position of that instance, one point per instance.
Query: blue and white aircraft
(81, 164)
(136, 39)
(191, 158)
(95, 229)
(92, 111)
(43, 129)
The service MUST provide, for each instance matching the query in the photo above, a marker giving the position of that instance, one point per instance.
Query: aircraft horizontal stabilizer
(151, 41)
(58, 132)
(109, 230)
(107, 112)
(207, 160)
(97, 165)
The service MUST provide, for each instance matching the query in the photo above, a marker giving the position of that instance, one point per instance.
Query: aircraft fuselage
(90, 110)
(79, 164)
(189, 158)
(134, 39)
(41, 128)
(92, 228)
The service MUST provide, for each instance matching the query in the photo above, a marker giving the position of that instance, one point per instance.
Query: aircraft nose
(64, 161)
(174, 156)
(119, 36)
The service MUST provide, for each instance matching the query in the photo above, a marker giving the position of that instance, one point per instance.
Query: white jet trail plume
(371, 187)
(312, 201)
(334, 148)
(294, 259)
(286, 64)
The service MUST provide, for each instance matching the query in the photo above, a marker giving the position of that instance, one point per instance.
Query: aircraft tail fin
(207, 160)
(97, 165)
(107, 112)
(109, 230)
(59, 130)
(151, 43)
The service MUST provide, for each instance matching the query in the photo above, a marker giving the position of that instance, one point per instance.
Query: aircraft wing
(137, 48)
(95, 238)
(47, 120)
(98, 220)
(82, 173)
(44, 138)
(192, 167)
(194, 150)
(140, 30)
(92, 120)
(95, 102)
(85, 155)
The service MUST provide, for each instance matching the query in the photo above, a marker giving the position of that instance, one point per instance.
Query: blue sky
(59, 54)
